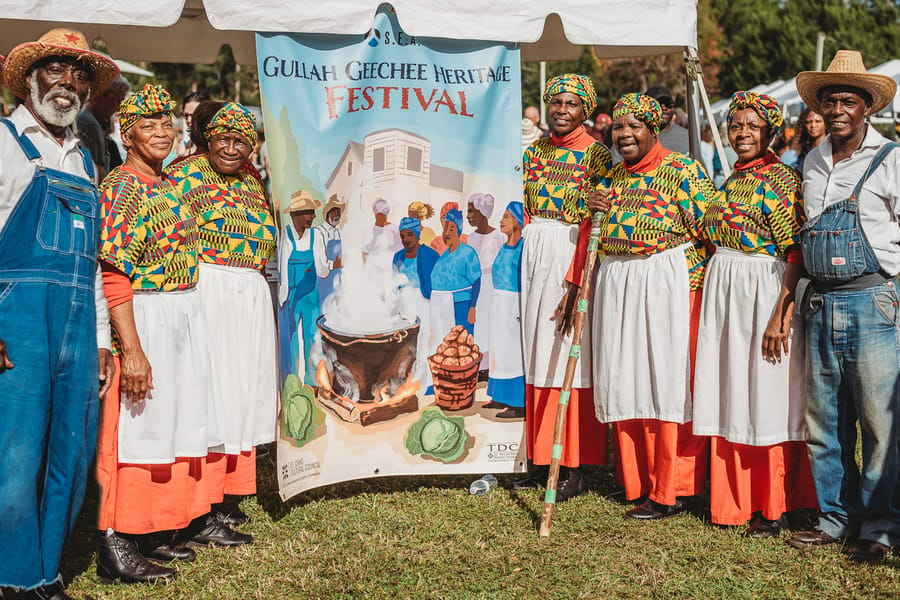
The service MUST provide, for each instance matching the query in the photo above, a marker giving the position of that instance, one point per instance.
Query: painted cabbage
(438, 436)
(301, 413)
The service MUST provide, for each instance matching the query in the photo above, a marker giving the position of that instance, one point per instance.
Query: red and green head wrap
(765, 106)
(233, 117)
(580, 85)
(643, 107)
(151, 100)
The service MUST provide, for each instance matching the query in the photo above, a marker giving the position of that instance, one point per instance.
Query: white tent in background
(194, 30)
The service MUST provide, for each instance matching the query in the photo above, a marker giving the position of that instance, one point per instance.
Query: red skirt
(585, 438)
(768, 479)
(233, 474)
(137, 498)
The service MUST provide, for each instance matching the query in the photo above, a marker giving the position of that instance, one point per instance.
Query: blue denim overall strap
(835, 248)
(48, 260)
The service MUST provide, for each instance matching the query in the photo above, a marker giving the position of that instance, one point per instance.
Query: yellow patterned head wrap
(643, 107)
(580, 85)
(233, 117)
(765, 106)
(151, 100)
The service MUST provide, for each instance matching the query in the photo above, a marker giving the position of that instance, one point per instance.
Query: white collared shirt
(825, 183)
(16, 173)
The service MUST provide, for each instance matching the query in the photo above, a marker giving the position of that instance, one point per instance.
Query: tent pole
(692, 66)
(695, 83)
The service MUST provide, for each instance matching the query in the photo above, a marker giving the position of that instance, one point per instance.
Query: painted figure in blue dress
(330, 235)
(298, 298)
(416, 262)
(506, 380)
(455, 283)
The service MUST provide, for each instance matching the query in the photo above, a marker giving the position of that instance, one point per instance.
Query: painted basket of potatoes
(454, 367)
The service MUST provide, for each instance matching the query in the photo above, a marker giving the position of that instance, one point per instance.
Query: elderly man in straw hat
(851, 251)
(298, 299)
(53, 315)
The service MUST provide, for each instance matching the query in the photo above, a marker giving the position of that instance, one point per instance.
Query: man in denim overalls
(53, 318)
(851, 307)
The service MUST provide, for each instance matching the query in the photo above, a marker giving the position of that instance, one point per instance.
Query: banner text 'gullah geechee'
(350, 98)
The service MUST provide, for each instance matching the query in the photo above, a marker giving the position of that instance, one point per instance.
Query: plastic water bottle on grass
(482, 486)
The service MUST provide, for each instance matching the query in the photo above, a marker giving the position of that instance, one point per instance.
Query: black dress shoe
(761, 527)
(119, 558)
(811, 537)
(866, 551)
(232, 517)
(650, 510)
(170, 552)
(572, 485)
(214, 533)
(54, 591)
(512, 412)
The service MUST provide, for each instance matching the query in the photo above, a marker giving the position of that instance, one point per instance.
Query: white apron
(547, 252)
(506, 358)
(422, 370)
(173, 420)
(737, 394)
(642, 341)
(238, 310)
(486, 247)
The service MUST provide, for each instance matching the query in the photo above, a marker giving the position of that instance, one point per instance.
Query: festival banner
(385, 312)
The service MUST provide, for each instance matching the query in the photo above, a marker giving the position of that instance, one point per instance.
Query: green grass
(426, 537)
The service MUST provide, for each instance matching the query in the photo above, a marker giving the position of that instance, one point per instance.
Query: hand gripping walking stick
(571, 363)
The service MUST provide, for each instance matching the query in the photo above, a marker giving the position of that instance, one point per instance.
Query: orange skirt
(233, 474)
(136, 498)
(660, 459)
(584, 439)
(768, 479)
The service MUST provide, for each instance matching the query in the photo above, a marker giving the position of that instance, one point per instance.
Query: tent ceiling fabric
(193, 31)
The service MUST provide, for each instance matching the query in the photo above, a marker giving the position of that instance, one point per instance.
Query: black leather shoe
(573, 485)
(214, 533)
(119, 558)
(761, 527)
(512, 412)
(232, 517)
(493, 405)
(811, 537)
(54, 591)
(650, 510)
(170, 552)
(866, 551)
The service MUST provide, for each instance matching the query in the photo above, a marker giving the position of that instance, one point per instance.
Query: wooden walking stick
(574, 355)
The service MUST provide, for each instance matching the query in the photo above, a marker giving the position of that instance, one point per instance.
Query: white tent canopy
(193, 31)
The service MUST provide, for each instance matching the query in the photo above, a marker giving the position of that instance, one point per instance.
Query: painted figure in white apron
(506, 381)
(486, 241)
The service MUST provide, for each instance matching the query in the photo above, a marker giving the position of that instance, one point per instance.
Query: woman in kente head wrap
(646, 305)
(749, 384)
(154, 435)
(237, 238)
(560, 172)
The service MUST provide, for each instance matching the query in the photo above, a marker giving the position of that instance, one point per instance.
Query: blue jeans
(853, 374)
(48, 401)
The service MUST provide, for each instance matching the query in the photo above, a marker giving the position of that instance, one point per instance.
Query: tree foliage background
(743, 43)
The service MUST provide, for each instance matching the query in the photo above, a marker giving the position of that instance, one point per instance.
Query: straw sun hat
(847, 68)
(57, 42)
(303, 200)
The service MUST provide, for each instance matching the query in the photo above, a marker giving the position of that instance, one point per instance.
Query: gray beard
(47, 110)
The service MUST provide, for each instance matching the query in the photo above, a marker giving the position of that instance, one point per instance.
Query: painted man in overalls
(53, 316)
(851, 251)
(297, 296)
